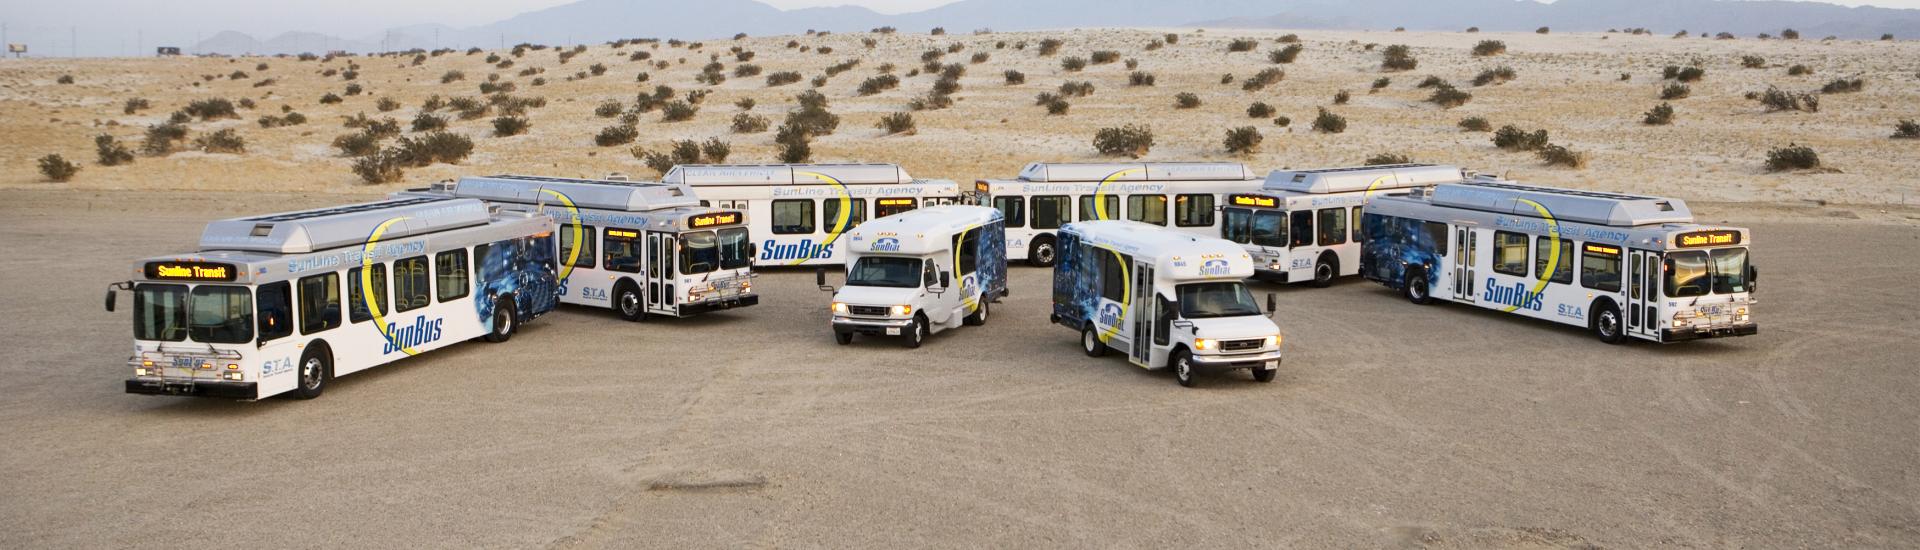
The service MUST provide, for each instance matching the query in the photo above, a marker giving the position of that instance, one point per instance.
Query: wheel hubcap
(1325, 272)
(1609, 323)
(1185, 370)
(629, 303)
(310, 374)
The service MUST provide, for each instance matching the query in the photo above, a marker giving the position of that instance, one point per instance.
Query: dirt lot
(1390, 425)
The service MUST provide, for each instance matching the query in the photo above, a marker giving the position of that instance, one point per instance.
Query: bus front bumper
(1705, 332)
(720, 304)
(881, 327)
(194, 388)
(1266, 360)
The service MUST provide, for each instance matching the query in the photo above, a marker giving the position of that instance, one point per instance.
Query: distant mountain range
(589, 21)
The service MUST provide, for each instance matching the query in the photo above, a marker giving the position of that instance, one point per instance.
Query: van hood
(875, 295)
(1235, 328)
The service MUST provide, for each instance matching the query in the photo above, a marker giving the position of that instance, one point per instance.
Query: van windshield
(1222, 299)
(885, 271)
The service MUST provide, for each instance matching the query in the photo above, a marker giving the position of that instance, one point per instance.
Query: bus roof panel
(1136, 171)
(625, 196)
(1362, 178)
(320, 229)
(1614, 209)
(786, 174)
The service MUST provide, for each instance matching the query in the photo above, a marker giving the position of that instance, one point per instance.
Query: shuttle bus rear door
(1142, 315)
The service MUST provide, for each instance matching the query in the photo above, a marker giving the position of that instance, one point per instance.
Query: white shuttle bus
(794, 209)
(285, 302)
(917, 273)
(1624, 266)
(1164, 298)
(1304, 225)
(646, 248)
(1045, 196)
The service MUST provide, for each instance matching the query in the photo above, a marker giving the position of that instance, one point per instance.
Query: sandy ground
(1569, 84)
(1391, 425)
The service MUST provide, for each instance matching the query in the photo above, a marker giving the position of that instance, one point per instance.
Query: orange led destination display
(1602, 249)
(190, 271)
(716, 218)
(623, 233)
(1707, 238)
(896, 202)
(1253, 200)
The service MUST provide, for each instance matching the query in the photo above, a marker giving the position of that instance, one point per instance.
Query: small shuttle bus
(1304, 225)
(916, 273)
(647, 248)
(794, 209)
(285, 302)
(1624, 266)
(1046, 196)
(1164, 298)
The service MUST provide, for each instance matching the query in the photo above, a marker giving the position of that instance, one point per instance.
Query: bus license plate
(893, 331)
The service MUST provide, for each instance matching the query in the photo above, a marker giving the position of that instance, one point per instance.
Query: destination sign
(1707, 238)
(1602, 249)
(980, 186)
(896, 202)
(190, 271)
(716, 218)
(1253, 200)
(623, 233)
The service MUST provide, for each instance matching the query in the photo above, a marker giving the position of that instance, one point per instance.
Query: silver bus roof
(320, 229)
(1597, 207)
(785, 174)
(1135, 171)
(625, 196)
(1362, 178)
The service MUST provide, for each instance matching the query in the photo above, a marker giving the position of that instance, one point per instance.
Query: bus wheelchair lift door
(1143, 315)
(1643, 294)
(1465, 241)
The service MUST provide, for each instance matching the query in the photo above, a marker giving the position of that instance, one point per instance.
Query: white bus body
(1163, 297)
(902, 272)
(651, 248)
(278, 303)
(1046, 196)
(794, 209)
(1624, 266)
(1304, 225)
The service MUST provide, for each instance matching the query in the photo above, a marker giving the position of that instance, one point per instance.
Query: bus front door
(660, 256)
(1464, 245)
(1142, 316)
(1643, 294)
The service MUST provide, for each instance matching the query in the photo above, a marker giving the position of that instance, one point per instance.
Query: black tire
(505, 320)
(1090, 343)
(843, 338)
(1264, 375)
(1607, 325)
(979, 316)
(1416, 288)
(918, 332)
(1324, 271)
(314, 371)
(1182, 363)
(629, 303)
(1043, 252)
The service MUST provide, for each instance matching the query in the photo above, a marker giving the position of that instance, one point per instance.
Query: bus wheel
(843, 338)
(1323, 272)
(1182, 367)
(979, 316)
(1606, 325)
(626, 300)
(1417, 290)
(1090, 343)
(1042, 254)
(919, 332)
(316, 367)
(1264, 375)
(504, 320)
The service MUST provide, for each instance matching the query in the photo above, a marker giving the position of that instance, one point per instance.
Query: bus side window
(319, 302)
(1113, 281)
(410, 284)
(622, 252)
(451, 266)
(1333, 226)
(587, 257)
(793, 217)
(1091, 211)
(276, 310)
(1302, 228)
(1438, 232)
(1147, 209)
(1510, 253)
(1359, 229)
(1052, 211)
(1562, 263)
(1193, 210)
(1014, 209)
(1600, 268)
(830, 213)
(969, 256)
(357, 306)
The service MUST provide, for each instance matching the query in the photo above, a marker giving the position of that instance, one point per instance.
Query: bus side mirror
(110, 296)
(946, 279)
(1753, 273)
(1273, 304)
(752, 252)
(820, 279)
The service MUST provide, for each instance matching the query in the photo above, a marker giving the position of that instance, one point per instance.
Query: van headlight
(1273, 341)
(902, 311)
(839, 308)
(1204, 344)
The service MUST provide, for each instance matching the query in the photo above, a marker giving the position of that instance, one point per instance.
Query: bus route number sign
(1707, 238)
(190, 271)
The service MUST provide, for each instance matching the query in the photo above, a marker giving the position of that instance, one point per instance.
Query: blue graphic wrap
(1394, 244)
(527, 268)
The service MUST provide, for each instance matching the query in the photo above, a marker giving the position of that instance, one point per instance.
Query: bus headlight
(231, 375)
(1204, 344)
(902, 311)
(141, 371)
(839, 308)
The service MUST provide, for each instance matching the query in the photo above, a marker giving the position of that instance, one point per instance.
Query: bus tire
(1182, 363)
(628, 302)
(1324, 271)
(1090, 342)
(1606, 323)
(919, 333)
(505, 319)
(1416, 288)
(1264, 375)
(1043, 252)
(843, 338)
(979, 316)
(316, 369)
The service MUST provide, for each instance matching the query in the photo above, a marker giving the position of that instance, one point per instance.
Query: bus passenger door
(1143, 314)
(1465, 243)
(660, 272)
(1643, 287)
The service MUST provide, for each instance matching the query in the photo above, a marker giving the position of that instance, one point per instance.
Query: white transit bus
(799, 211)
(1304, 225)
(285, 302)
(646, 248)
(1624, 266)
(902, 272)
(1046, 196)
(1163, 297)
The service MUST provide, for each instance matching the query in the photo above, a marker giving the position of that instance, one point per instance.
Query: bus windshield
(885, 271)
(699, 253)
(1702, 272)
(733, 248)
(209, 314)
(1223, 299)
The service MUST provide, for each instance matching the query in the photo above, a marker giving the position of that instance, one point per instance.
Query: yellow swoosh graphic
(840, 221)
(1100, 193)
(366, 285)
(1553, 257)
(573, 211)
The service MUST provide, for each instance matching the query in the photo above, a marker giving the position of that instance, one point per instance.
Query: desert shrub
(1056, 105)
(897, 123)
(938, 31)
(264, 82)
(1556, 155)
(1341, 97)
(1259, 110)
(137, 104)
(1243, 140)
(1474, 124)
(1049, 46)
(608, 109)
(163, 139)
(1448, 97)
(1073, 64)
(795, 145)
(782, 78)
(1155, 44)
(1799, 70)
(676, 111)
(1753, 62)
(211, 109)
(744, 123)
(110, 151)
(1288, 54)
(1260, 80)
(1489, 47)
(1660, 115)
(1383, 159)
(355, 89)
(1015, 77)
(1542, 30)
(510, 125)
(56, 167)
(1789, 34)
(1684, 74)
(1329, 123)
(428, 121)
(946, 86)
(1283, 121)
(329, 98)
(618, 134)
(469, 108)
(1382, 83)
(64, 79)
(1906, 129)
(450, 77)
(1076, 89)
(1398, 57)
(877, 84)
(1242, 45)
(384, 127)
(1186, 100)
(1512, 138)
(1172, 38)
(382, 167)
(1140, 78)
(386, 104)
(841, 67)
(179, 117)
(1675, 90)
(357, 144)
(237, 75)
(744, 70)
(1226, 78)
(222, 141)
(435, 146)
(1496, 76)
(1127, 140)
(1843, 85)
(745, 103)
(1776, 100)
